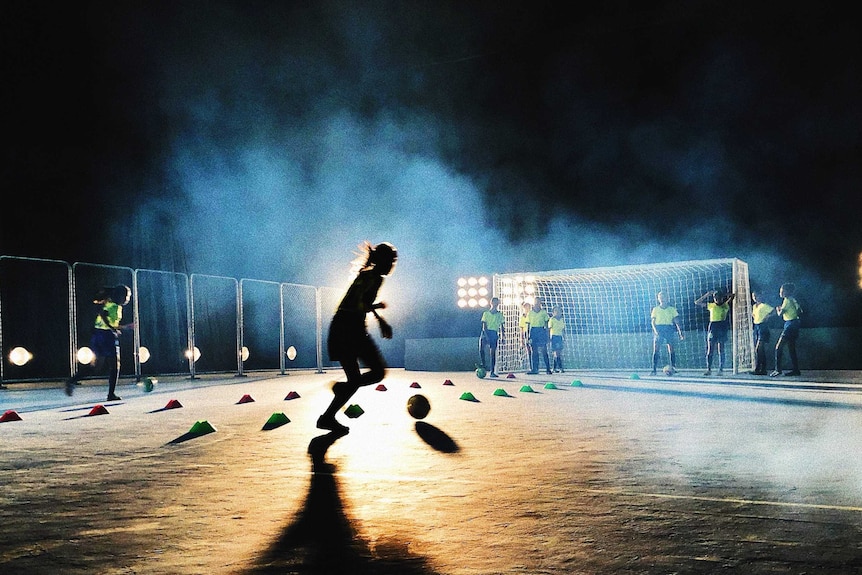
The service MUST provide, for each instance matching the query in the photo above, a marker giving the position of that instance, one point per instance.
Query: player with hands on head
(719, 325)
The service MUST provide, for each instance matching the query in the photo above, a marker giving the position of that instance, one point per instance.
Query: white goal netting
(607, 313)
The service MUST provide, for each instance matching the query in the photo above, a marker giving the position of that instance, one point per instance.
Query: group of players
(537, 327)
(665, 321)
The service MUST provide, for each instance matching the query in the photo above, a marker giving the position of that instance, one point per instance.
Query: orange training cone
(245, 399)
(98, 410)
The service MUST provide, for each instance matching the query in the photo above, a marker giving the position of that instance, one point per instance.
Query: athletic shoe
(707, 372)
(548, 372)
(652, 372)
(70, 386)
(330, 424)
(113, 397)
(775, 373)
(532, 373)
(494, 374)
(791, 373)
(720, 372)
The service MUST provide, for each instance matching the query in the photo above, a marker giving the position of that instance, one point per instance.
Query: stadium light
(20, 356)
(194, 354)
(143, 354)
(85, 355)
(291, 353)
(472, 292)
(244, 353)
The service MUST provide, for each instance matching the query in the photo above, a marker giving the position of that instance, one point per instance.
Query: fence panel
(36, 315)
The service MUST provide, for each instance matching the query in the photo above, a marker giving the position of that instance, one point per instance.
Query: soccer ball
(148, 383)
(668, 370)
(481, 372)
(418, 406)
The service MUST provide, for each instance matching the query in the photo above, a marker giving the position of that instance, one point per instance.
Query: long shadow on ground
(321, 539)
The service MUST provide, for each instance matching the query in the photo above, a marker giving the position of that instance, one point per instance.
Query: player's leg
(656, 351)
(482, 345)
(709, 350)
(779, 346)
(113, 372)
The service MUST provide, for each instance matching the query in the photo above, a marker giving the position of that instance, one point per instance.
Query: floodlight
(20, 356)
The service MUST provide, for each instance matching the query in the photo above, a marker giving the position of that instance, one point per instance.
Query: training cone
(511, 375)
(380, 387)
(550, 385)
(448, 382)
(245, 399)
(415, 385)
(10, 415)
(275, 420)
(291, 395)
(635, 376)
(500, 392)
(173, 404)
(98, 410)
(467, 396)
(353, 411)
(577, 383)
(527, 389)
(201, 428)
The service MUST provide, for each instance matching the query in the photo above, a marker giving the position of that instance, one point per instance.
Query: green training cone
(467, 396)
(201, 428)
(577, 383)
(353, 411)
(635, 376)
(500, 392)
(550, 385)
(527, 389)
(276, 420)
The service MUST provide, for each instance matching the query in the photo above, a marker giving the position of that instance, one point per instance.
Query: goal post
(607, 313)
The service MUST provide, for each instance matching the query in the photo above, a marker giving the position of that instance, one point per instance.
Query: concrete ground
(596, 473)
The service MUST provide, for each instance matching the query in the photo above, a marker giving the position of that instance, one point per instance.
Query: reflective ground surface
(609, 475)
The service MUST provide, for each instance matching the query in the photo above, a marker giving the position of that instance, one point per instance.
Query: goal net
(607, 313)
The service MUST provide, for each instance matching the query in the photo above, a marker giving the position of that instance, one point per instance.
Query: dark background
(267, 139)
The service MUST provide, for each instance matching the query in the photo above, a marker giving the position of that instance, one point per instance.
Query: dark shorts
(717, 332)
(761, 333)
(538, 336)
(666, 333)
(557, 343)
(791, 330)
(104, 343)
(491, 337)
(349, 339)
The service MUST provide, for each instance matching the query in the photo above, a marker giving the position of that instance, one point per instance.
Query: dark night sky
(267, 138)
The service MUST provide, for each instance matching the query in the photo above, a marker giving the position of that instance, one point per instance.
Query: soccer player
(760, 314)
(719, 325)
(665, 320)
(524, 325)
(492, 330)
(349, 341)
(105, 339)
(538, 321)
(557, 326)
(791, 312)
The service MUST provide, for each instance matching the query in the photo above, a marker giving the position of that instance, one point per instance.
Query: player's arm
(678, 326)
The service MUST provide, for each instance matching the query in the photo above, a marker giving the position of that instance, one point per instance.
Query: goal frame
(607, 312)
